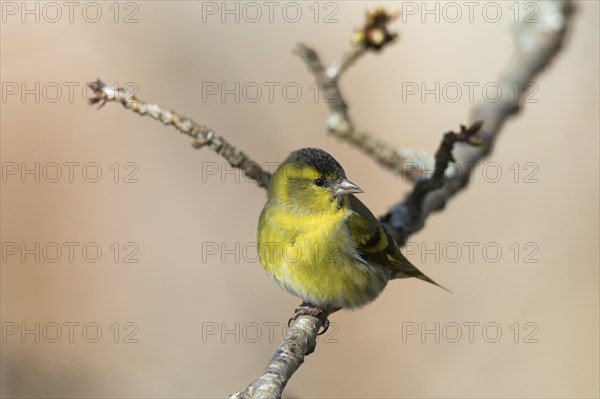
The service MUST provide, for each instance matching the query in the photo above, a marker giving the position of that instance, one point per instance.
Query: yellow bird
(320, 243)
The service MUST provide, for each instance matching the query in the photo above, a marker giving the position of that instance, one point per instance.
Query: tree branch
(536, 46)
(411, 208)
(373, 36)
(299, 342)
(202, 135)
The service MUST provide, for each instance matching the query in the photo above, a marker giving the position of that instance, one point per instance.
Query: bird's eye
(319, 182)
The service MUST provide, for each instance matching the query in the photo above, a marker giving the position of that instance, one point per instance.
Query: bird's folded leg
(307, 309)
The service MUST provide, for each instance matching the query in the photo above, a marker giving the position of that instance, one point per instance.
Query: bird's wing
(375, 245)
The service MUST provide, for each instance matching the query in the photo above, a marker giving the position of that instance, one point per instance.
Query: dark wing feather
(375, 245)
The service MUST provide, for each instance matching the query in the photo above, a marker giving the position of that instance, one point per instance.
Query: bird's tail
(404, 268)
(423, 277)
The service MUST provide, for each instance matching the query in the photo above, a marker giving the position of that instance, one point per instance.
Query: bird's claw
(306, 309)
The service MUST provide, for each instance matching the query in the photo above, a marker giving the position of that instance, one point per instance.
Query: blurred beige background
(190, 319)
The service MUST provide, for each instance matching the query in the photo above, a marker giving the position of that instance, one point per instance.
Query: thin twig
(412, 206)
(373, 36)
(202, 135)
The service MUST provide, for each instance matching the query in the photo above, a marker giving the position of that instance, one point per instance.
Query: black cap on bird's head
(329, 173)
(317, 159)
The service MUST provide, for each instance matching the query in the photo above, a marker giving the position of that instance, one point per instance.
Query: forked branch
(536, 46)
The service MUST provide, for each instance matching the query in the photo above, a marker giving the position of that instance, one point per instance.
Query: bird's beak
(345, 187)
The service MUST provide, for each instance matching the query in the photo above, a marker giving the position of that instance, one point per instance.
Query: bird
(321, 243)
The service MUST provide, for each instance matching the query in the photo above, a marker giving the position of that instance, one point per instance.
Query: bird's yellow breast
(313, 257)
